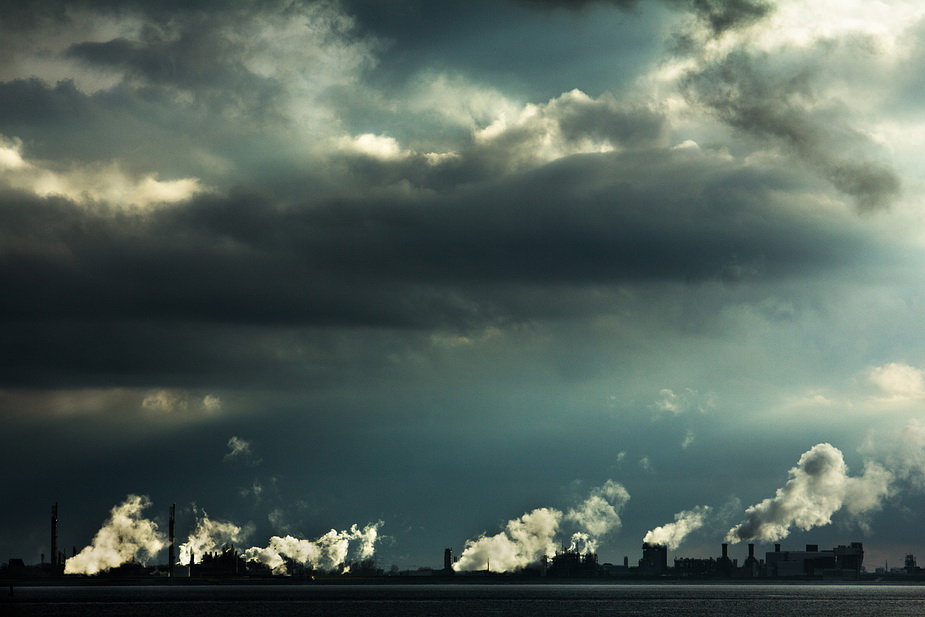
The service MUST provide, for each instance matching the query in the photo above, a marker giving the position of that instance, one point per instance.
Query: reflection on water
(469, 600)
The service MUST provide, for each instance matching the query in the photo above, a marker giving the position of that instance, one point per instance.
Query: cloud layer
(413, 243)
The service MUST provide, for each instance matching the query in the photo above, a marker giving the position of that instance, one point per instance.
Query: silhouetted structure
(654, 560)
(227, 562)
(569, 563)
(172, 539)
(724, 565)
(696, 567)
(840, 562)
(751, 566)
(447, 560)
(55, 558)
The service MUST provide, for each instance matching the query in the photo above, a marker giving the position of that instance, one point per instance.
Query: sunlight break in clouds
(90, 183)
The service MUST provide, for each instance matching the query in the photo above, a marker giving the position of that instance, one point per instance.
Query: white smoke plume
(818, 487)
(124, 537)
(329, 552)
(210, 536)
(673, 534)
(597, 516)
(537, 534)
(525, 540)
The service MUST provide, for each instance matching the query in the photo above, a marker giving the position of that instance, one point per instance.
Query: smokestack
(725, 551)
(172, 540)
(448, 559)
(777, 548)
(751, 551)
(54, 540)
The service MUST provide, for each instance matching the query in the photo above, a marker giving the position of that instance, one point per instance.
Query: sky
(359, 278)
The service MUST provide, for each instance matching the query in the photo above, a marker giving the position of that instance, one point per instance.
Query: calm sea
(469, 600)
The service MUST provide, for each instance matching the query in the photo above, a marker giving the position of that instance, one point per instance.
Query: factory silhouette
(841, 563)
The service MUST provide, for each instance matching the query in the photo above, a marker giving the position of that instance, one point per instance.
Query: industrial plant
(840, 563)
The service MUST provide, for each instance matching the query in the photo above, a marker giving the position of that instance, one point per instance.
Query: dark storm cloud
(193, 59)
(62, 123)
(597, 219)
(744, 91)
(718, 15)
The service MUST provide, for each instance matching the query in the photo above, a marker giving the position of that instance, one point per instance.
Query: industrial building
(841, 561)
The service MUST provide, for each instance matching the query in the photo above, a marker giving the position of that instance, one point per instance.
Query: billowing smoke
(329, 552)
(525, 540)
(210, 536)
(597, 515)
(818, 487)
(537, 534)
(673, 534)
(125, 536)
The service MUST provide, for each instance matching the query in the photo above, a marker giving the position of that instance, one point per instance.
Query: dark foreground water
(469, 600)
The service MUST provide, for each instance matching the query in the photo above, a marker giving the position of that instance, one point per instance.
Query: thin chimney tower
(54, 540)
(171, 530)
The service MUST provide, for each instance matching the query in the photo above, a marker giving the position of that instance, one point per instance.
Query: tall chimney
(172, 540)
(751, 551)
(725, 551)
(54, 540)
(777, 548)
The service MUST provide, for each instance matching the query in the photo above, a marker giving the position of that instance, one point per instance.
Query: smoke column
(539, 533)
(525, 540)
(329, 552)
(210, 536)
(818, 487)
(673, 534)
(125, 536)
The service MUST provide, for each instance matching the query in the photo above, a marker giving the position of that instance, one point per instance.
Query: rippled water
(470, 600)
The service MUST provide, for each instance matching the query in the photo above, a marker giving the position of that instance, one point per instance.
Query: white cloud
(678, 403)
(802, 23)
(573, 123)
(380, 147)
(240, 450)
(899, 382)
(90, 183)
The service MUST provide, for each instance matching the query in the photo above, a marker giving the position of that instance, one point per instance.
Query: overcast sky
(303, 265)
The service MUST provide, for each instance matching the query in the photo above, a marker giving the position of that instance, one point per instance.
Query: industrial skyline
(497, 275)
(128, 539)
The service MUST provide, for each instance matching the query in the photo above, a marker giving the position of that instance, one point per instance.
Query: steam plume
(818, 487)
(537, 534)
(125, 536)
(210, 536)
(673, 534)
(329, 552)
(597, 515)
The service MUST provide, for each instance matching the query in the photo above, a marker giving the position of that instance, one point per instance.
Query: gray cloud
(746, 91)
(718, 15)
